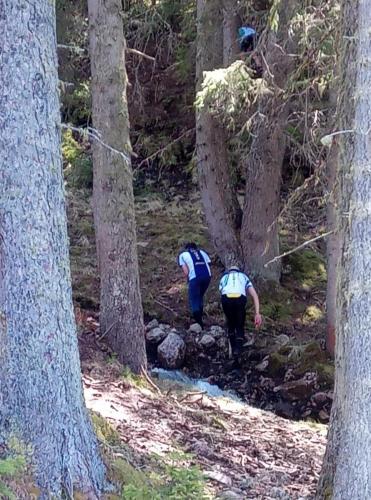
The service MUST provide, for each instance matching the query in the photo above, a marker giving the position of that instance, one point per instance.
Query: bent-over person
(234, 286)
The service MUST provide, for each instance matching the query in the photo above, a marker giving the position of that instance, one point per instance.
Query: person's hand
(258, 320)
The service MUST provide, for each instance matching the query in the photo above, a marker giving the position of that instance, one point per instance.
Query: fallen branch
(306, 243)
(190, 394)
(139, 53)
(149, 380)
(73, 48)
(166, 307)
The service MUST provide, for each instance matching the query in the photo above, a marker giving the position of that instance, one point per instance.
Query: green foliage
(76, 106)
(106, 434)
(10, 468)
(175, 483)
(133, 379)
(274, 18)
(78, 169)
(308, 268)
(225, 92)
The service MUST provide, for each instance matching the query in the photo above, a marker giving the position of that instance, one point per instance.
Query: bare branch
(306, 243)
(96, 135)
(139, 53)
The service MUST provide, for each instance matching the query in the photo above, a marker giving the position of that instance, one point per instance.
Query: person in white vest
(195, 264)
(234, 286)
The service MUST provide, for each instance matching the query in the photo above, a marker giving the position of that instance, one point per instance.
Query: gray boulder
(207, 341)
(156, 335)
(195, 328)
(217, 331)
(171, 351)
(152, 324)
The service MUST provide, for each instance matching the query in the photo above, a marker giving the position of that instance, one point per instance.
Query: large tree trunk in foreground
(333, 250)
(121, 314)
(347, 467)
(41, 399)
(222, 211)
(259, 235)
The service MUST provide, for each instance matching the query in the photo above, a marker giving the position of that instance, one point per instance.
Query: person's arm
(258, 319)
(185, 270)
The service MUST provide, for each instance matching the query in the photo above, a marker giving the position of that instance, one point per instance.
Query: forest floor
(168, 438)
(167, 218)
(173, 442)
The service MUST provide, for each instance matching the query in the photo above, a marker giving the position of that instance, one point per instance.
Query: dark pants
(196, 291)
(235, 312)
(247, 44)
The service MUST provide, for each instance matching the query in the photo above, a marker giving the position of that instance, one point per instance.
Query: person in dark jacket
(195, 264)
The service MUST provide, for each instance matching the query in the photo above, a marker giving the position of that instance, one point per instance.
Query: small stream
(196, 384)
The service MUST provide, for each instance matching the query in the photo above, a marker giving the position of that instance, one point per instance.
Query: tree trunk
(349, 448)
(259, 235)
(121, 314)
(333, 249)
(41, 398)
(222, 210)
(230, 31)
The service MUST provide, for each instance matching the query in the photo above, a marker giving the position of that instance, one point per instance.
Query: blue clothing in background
(196, 291)
(246, 37)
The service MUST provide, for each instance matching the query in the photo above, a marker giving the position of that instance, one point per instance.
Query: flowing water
(196, 384)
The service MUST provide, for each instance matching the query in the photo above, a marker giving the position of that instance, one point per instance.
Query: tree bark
(230, 31)
(121, 314)
(41, 398)
(259, 235)
(333, 250)
(222, 210)
(349, 449)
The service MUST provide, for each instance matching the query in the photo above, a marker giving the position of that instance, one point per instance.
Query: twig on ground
(166, 307)
(278, 257)
(150, 381)
(190, 394)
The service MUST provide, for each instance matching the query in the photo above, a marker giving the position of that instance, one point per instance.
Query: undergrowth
(161, 477)
(10, 468)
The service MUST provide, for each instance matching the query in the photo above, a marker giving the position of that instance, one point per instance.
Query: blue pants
(196, 291)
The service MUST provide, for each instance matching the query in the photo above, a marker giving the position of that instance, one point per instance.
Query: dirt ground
(241, 450)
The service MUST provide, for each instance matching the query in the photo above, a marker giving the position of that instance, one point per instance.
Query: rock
(282, 339)
(231, 495)
(171, 351)
(195, 328)
(280, 494)
(152, 324)
(156, 335)
(164, 326)
(217, 331)
(218, 476)
(320, 398)
(261, 367)
(274, 364)
(296, 389)
(207, 341)
(324, 416)
(201, 448)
